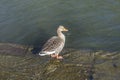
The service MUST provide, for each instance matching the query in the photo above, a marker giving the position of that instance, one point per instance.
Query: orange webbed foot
(59, 57)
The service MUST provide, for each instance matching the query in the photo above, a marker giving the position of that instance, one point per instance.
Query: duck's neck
(61, 35)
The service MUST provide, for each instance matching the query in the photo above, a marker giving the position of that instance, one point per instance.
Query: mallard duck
(55, 44)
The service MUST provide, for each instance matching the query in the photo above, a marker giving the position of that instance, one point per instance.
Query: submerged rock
(57, 70)
(18, 63)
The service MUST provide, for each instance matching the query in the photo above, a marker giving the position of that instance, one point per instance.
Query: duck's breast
(59, 49)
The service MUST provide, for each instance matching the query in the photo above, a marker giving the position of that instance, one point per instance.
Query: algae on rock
(18, 64)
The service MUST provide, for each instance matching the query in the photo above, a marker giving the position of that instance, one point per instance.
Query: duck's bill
(65, 29)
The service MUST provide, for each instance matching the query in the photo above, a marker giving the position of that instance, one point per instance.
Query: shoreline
(17, 62)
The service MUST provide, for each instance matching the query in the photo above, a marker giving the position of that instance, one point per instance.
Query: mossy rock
(57, 70)
(18, 63)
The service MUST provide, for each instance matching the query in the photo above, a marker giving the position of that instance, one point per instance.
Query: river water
(92, 24)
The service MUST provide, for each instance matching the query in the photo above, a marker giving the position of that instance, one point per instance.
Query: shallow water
(92, 24)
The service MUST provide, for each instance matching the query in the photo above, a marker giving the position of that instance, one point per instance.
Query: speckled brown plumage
(52, 44)
(55, 44)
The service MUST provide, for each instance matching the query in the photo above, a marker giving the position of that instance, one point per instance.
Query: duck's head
(62, 28)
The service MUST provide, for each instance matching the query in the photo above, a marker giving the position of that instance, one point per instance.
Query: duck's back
(54, 44)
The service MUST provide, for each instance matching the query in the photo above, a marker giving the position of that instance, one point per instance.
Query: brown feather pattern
(53, 44)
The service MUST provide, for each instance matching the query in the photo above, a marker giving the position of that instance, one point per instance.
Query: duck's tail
(43, 53)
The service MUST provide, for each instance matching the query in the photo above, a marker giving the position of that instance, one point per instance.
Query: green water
(92, 24)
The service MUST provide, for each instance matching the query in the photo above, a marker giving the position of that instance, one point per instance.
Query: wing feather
(52, 44)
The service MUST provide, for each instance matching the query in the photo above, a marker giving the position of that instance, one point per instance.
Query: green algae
(76, 65)
(56, 70)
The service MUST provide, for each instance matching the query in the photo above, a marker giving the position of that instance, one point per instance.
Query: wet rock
(57, 70)
(12, 49)
(18, 63)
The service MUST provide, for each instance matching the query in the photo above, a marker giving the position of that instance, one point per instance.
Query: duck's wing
(52, 44)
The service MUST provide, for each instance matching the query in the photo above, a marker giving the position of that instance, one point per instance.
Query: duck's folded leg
(53, 55)
(59, 57)
(56, 56)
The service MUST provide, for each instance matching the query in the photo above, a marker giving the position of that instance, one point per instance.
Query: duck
(55, 44)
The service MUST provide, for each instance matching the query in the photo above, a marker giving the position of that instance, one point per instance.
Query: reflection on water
(92, 24)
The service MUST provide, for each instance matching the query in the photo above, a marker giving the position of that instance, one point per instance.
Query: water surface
(92, 24)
